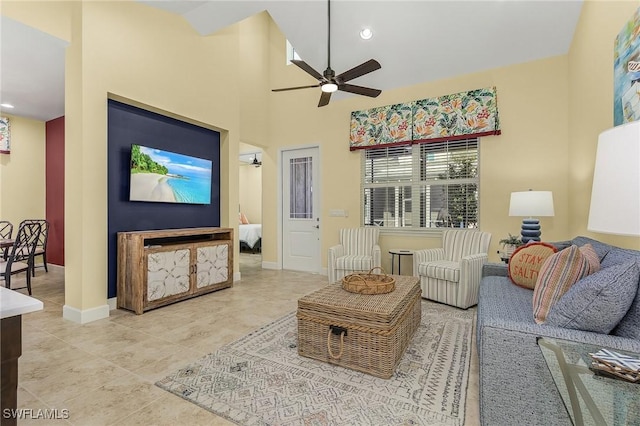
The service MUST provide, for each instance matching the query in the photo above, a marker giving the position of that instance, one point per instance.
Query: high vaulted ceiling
(414, 41)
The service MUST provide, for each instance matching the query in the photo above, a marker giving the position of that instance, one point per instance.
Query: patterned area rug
(261, 380)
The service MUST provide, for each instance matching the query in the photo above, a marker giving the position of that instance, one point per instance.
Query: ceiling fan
(255, 161)
(328, 81)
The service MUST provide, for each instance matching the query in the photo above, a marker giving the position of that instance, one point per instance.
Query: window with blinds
(427, 185)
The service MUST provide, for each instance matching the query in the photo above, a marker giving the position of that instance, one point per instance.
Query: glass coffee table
(590, 398)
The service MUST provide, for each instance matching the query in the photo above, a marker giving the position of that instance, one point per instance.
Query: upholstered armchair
(451, 274)
(358, 250)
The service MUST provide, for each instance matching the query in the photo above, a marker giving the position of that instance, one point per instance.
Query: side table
(588, 397)
(399, 253)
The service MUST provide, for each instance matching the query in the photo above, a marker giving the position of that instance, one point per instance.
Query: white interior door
(300, 210)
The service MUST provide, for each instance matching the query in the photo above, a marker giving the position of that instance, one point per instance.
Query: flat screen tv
(168, 177)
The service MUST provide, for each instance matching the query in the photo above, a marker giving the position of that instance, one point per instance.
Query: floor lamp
(528, 204)
(615, 195)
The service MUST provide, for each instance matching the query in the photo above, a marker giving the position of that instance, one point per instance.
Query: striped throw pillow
(558, 273)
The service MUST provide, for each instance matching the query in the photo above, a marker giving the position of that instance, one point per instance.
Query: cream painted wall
(250, 194)
(154, 58)
(50, 16)
(526, 155)
(22, 173)
(591, 104)
(548, 109)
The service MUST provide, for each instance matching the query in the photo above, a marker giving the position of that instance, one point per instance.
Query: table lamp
(528, 204)
(615, 195)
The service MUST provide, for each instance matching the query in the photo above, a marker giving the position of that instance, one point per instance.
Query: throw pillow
(598, 302)
(592, 257)
(558, 273)
(526, 261)
(629, 326)
(243, 219)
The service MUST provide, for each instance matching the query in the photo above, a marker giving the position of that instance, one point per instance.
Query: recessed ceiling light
(329, 87)
(6, 105)
(366, 33)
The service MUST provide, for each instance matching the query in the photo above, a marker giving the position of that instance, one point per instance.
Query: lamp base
(530, 230)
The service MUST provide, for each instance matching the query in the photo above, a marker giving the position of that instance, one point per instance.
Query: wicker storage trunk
(368, 333)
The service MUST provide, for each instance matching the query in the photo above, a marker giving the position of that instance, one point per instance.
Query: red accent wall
(55, 190)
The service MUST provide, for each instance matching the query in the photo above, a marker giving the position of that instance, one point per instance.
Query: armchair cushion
(354, 262)
(441, 269)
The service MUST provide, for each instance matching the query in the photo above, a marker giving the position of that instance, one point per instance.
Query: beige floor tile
(104, 372)
(112, 401)
(72, 382)
(171, 410)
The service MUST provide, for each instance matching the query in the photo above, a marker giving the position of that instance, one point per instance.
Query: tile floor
(104, 372)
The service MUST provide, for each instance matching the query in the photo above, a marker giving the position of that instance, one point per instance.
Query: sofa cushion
(526, 261)
(629, 326)
(598, 302)
(601, 248)
(620, 255)
(558, 273)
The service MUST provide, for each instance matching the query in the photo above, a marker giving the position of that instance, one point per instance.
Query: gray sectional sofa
(515, 384)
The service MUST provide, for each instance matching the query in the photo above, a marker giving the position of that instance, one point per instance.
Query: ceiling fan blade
(359, 90)
(295, 88)
(324, 99)
(307, 68)
(362, 69)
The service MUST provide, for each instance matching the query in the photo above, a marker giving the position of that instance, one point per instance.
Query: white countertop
(13, 303)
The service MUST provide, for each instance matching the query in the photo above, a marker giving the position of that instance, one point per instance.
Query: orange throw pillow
(526, 261)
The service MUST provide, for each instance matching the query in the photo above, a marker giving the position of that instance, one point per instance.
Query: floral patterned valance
(386, 125)
(456, 116)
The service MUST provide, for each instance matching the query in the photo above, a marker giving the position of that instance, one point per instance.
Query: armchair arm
(376, 255)
(495, 269)
(334, 253)
(470, 275)
(426, 255)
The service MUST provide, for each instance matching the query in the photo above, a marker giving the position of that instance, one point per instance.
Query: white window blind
(425, 185)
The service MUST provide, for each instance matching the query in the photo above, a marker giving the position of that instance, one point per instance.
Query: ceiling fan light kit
(329, 87)
(328, 81)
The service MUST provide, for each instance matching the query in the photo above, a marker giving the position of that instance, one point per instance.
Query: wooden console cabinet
(159, 267)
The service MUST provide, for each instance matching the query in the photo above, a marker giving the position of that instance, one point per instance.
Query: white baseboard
(324, 271)
(270, 265)
(237, 276)
(88, 315)
(113, 303)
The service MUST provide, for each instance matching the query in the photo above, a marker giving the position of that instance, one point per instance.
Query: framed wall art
(5, 136)
(626, 71)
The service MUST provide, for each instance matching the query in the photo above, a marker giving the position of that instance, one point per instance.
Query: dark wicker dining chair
(6, 231)
(41, 247)
(25, 243)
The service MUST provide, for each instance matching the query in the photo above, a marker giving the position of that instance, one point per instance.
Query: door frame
(318, 188)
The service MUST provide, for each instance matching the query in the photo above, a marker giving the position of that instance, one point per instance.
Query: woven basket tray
(369, 283)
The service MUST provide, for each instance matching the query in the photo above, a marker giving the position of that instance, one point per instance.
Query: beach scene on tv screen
(164, 176)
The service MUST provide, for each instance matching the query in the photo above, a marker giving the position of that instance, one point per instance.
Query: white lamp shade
(615, 196)
(531, 203)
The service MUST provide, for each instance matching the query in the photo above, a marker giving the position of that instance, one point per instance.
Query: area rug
(261, 380)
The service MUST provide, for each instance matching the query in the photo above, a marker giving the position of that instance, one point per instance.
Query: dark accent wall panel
(129, 125)
(54, 192)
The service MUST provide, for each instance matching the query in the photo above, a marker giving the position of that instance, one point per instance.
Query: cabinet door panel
(212, 265)
(167, 273)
